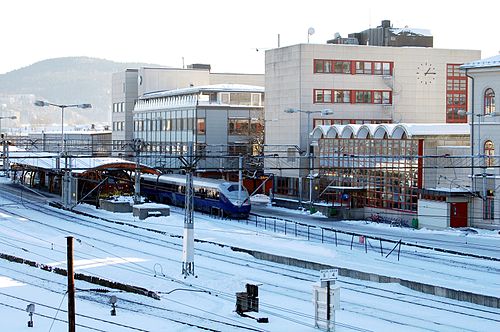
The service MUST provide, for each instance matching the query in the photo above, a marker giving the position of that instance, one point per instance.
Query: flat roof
(202, 88)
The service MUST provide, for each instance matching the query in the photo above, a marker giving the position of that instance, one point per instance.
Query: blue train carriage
(214, 196)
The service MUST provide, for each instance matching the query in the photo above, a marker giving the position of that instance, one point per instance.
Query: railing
(343, 238)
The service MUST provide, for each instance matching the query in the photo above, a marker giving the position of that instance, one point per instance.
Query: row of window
(353, 67)
(118, 107)
(329, 122)
(118, 125)
(244, 126)
(184, 124)
(456, 94)
(352, 96)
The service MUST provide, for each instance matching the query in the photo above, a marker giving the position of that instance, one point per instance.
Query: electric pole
(71, 286)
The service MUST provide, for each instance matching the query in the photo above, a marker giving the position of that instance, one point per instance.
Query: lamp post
(13, 117)
(309, 147)
(64, 190)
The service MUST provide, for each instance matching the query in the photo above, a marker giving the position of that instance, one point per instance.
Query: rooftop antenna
(310, 32)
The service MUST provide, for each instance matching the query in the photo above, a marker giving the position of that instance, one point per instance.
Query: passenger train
(215, 196)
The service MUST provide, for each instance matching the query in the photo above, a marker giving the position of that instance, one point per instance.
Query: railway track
(230, 259)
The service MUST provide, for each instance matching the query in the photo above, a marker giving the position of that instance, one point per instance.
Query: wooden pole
(71, 286)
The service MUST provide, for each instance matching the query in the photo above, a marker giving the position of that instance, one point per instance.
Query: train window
(232, 187)
(213, 194)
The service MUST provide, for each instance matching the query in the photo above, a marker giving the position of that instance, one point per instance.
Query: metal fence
(368, 243)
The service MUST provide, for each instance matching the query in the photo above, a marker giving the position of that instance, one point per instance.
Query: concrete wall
(158, 79)
(124, 90)
(230, 78)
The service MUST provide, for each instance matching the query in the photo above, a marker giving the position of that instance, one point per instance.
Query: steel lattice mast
(188, 239)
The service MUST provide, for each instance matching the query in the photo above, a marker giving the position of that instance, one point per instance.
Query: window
(489, 153)
(224, 98)
(367, 68)
(240, 98)
(488, 206)
(363, 97)
(456, 94)
(342, 67)
(238, 149)
(386, 97)
(386, 69)
(256, 99)
(489, 101)
(239, 127)
(322, 96)
(342, 96)
(360, 96)
(256, 126)
(318, 66)
(322, 66)
(200, 126)
(318, 96)
(353, 67)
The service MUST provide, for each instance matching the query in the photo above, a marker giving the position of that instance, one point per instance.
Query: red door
(458, 214)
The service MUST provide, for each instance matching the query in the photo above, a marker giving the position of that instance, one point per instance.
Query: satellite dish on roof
(310, 32)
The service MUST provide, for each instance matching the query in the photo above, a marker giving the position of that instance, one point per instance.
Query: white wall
(432, 214)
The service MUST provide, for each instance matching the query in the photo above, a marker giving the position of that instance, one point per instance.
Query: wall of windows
(118, 125)
(354, 67)
(118, 107)
(456, 94)
(329, 122)
(244, 126)
(379, 175)
(329, 96)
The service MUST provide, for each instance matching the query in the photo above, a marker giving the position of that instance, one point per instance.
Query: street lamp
(42, 103)
(13, 117)
(310, 151)
(64, 190)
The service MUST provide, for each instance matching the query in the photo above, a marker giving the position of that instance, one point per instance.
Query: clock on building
(426, 73)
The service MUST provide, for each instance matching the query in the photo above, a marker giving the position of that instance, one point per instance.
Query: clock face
(426, 73)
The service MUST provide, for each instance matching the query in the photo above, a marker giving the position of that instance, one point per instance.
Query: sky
(232, 36)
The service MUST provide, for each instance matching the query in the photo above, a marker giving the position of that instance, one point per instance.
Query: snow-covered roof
(202, 88)
(493, 61)
(48, 160)
(411, 31)
(395, 131)
(179, 178)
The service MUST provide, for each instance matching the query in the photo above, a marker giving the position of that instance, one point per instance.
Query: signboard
(328, 275)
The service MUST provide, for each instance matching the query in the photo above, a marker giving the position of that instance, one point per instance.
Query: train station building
(311, 85)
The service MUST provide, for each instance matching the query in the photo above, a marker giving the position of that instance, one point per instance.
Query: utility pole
(71, 285)
(137, 146)
(189, 164)
(240, 177)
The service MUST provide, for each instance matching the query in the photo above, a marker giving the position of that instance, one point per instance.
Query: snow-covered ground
(153, 260)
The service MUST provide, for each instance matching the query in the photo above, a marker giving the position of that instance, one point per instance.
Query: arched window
(489, 152)
(489, 101)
